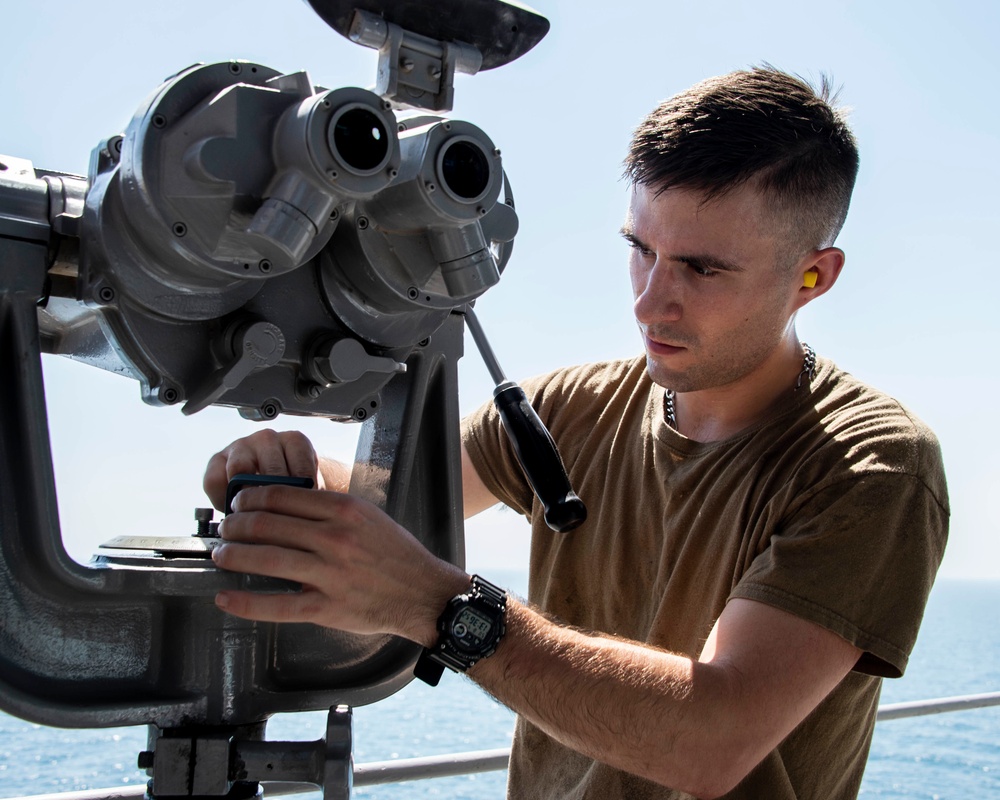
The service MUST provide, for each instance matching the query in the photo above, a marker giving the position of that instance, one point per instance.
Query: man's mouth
(657, 347)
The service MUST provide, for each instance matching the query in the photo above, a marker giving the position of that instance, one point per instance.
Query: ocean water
(943, 756)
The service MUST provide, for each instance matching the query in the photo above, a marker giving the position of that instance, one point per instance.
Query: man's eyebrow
(629, 236)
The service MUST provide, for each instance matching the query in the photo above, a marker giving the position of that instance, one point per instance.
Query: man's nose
(658, 296)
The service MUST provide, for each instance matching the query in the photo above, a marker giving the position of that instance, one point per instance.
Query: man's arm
(695, 725)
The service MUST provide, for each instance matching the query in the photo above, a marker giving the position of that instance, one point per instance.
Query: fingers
(273, 561)
(265, 452)
(267, 528)
(215, 480)
(336, 531)
(269, 453)
(300, 503)
(295, 607)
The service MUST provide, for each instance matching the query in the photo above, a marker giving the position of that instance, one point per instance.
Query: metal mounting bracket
(414, 70)
(423, 43)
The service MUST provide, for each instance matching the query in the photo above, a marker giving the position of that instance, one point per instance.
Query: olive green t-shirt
(834, 508)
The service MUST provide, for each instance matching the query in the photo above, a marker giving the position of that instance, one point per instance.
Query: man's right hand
(269, 452)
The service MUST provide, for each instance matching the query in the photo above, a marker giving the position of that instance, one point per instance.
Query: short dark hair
(761, 127)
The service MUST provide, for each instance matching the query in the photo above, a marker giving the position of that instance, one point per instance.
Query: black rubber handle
(539, 459)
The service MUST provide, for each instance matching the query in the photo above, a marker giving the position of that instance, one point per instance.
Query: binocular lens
(465, 170)
(361, 139)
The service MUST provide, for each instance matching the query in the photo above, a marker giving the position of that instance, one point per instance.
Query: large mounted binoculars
(255, 241)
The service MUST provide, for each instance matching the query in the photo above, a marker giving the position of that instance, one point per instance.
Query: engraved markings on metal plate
(168, 545)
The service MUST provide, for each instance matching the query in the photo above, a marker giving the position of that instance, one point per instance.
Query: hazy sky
(913, 312)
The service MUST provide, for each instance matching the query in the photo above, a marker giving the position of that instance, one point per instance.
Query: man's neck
(711, 415)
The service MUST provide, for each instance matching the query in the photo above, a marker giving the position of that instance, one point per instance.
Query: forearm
(336, 475)
(642, 710)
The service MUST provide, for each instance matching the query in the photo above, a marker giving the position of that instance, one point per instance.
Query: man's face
(714, 287)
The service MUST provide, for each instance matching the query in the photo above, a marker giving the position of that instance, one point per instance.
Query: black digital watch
(471, 627)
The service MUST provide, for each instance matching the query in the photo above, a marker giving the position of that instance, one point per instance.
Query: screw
(360, 414)
(204, 516)
(335, 214)
(434, 71)
(362, 222)
(332, 174)
(393, 173)
(406, 64)
(235, 68)
(169, 395)
(159, 120)
(269, 410)
(481, 211)
(496, 151)
(179, 229)
(264, 266)
(116, 145)
(106, 294)
(313, 391)
(430, 187)
(145, 760)
(412, 293)
(424, 342)
(326, 104)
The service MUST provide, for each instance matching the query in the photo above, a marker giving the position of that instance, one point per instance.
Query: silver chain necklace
(808, 372)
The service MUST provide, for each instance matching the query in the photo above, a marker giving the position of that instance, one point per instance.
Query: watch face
(470, 629)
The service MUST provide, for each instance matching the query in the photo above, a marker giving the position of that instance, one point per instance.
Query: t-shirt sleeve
(858, 555)
(567, 401)
(494, 459)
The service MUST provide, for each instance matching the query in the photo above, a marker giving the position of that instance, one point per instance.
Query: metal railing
(944, 705)
(446, 766)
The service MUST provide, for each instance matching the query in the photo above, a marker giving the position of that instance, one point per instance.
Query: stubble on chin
(661, 376)
(706, 374)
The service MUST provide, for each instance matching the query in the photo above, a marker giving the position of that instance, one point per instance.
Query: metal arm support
(215, 765)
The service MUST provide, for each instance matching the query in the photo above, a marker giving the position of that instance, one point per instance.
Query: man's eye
(702, 271)
(645, 252)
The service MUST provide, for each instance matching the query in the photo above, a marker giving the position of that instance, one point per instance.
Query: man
(764, 529)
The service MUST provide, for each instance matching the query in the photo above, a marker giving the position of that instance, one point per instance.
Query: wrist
(469, 629)
(446, 585)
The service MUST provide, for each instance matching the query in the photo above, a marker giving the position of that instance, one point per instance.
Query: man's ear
(819, 271)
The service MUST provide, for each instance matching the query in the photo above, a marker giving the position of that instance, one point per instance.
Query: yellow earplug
(809, 279)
